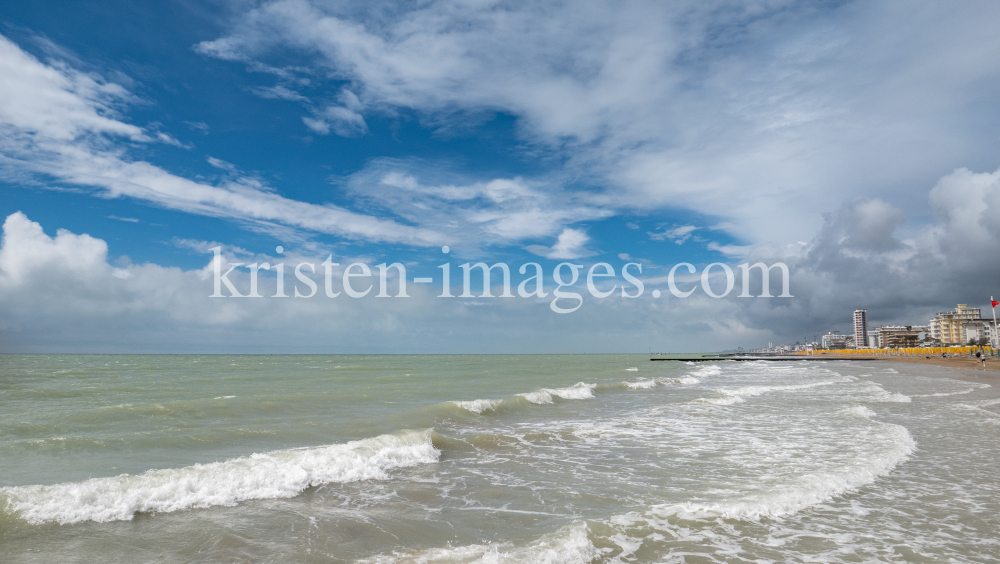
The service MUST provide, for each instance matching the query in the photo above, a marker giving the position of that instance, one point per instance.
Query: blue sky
(855, 142)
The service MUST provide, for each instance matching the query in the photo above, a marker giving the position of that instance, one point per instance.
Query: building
(834, 341)
(861, 328)
(897, 336)
(976, 329)
(949, 328)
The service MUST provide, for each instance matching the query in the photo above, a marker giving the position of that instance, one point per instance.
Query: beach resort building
(833, 340)
(976, 329)
(897, 336)
(949, 327)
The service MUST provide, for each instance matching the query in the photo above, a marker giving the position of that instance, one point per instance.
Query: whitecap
(710, 370)
(479, 405)
(641, 384)
(272, 475)
(579, 390)
(738, 395)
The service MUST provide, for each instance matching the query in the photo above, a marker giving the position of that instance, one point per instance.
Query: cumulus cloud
(766, 114)
(570, 245)
(859, 260)
(61, 293)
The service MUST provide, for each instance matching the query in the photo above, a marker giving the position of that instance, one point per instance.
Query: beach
(961, 368)
(494, 458)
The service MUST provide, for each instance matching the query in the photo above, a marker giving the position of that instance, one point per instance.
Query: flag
(995, 303)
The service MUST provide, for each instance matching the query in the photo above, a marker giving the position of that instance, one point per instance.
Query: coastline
(961, 368)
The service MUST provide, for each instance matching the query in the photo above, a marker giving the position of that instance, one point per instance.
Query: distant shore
(968, 369)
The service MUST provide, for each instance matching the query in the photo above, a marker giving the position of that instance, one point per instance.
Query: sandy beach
(962, 368)
(967, 369)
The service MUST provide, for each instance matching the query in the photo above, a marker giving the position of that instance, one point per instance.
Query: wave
(478, 406)
(272, 475)
(633, 369)
(974, 387)
(881, 395)
(579, 390)
(739, 395)
(640, 384)
(570, 544)
(705, 371)
(541, 396)
(688, 380)
(803, 491)
(858, 411)
(980, 407)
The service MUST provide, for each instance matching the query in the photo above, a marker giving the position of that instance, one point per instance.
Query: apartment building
(949, 327)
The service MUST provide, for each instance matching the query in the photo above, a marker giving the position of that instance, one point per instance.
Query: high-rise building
(860, 328)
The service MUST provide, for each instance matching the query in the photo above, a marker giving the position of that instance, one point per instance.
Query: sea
(493, 459)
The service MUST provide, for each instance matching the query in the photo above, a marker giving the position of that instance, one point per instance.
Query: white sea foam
(682, 380)
(225, 397)
(633, 369)
(568, 545)
(479, 405)
(944, 394)
(641, 384)
(579, 390)
(800, 492)
(879, 394)
(279, 474)
(738, 395)
(858, 411)
(540, 397)
(980, 407)
(706, 371)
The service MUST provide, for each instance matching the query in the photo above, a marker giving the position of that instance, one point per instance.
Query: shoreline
(961, 368)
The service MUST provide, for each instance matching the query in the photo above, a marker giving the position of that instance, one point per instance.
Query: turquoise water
(581, 458)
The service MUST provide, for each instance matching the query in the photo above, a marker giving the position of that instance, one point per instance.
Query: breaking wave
(271, 475)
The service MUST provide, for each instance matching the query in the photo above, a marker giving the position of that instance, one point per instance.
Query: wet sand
(962, 368)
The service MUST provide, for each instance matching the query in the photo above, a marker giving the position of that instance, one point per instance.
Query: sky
(857, 143)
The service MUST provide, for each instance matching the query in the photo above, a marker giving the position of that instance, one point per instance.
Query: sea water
(435, 459)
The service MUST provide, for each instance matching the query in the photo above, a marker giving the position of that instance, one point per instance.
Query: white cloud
(732, 251)
(473, 214)
(678, 234)
(860, 260)
(765, 114)
(278, 92)
(198, 126)
(57, 122)
(345, 119)
(570, 245)
(219, 163)
(61, 294)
